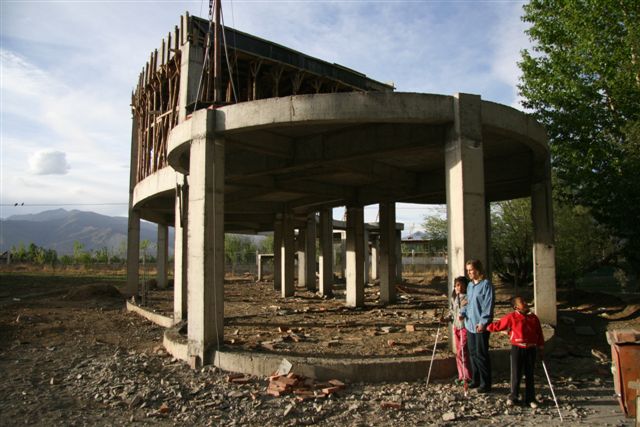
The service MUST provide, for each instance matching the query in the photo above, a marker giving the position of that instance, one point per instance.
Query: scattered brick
(410, 328)
(234, 376)
(390, 405)
(330, 390)
(337, 383)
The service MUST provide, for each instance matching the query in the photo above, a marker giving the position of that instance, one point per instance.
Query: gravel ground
(80, 359)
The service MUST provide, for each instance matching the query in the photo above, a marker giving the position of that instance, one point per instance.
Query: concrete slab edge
(370, 370)
(158, 319)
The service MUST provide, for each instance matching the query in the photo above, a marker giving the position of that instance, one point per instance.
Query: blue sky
(68, 69)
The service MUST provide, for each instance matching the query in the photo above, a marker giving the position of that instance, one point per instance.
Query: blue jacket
(479, 309)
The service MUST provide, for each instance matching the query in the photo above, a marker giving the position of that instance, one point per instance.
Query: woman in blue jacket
(477, 314)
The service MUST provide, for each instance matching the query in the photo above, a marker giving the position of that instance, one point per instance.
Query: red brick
(390, 405)
(337, 383)
(234, 376)
(330, 390)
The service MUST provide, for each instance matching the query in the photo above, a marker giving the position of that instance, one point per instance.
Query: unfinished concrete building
(257, 137)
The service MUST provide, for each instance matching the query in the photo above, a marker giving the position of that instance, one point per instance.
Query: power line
(61, 204)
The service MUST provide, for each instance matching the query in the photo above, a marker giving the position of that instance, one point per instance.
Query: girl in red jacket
(526, 338)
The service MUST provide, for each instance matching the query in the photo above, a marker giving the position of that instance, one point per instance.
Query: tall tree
(581, 79)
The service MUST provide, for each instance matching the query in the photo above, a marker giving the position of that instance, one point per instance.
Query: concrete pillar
(310, 252)
(375, 244)
(464, 170)
(367, 258)
(191, 62)
(355, 256)
(133, 222)
(277, 255)
(544, 263)
(398, 243)
(162, 255)
(180, 251)
(388, 255)
(259, 266)
(133, 253)
(326, 252)
(302, 266)
(205, 247)
(343, 255)
(287, 248)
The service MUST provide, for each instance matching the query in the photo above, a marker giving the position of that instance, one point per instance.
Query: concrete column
(464, 170)
(310, 252)
(388, 256)
(544, 262)
(343, 255)
(326, 252)
(133, 223)
(375, 243)
(287, 248)
(191, 64)
(277, 255)
(133, 253)
(355, 256)
(300, 256)
(180, 251)
(398, 243)
(367, 259)
(162, 255)
(206, 246)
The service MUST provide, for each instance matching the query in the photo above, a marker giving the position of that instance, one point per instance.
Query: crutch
(464, 379)
(551, 387)
(432, 355)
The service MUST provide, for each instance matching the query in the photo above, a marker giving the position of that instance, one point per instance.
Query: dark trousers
(523, 360)
(478, 344)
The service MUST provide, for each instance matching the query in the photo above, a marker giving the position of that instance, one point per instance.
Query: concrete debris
(449, 416)
(153, 388)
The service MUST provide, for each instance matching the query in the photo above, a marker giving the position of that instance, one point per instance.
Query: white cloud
(66, 87)
(49, 162)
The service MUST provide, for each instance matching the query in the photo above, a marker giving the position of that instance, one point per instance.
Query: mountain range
(58, 229)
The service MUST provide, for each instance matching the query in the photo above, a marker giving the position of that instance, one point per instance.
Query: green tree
(436, 227)
(581, 79)
(237, 249)
(512, 240)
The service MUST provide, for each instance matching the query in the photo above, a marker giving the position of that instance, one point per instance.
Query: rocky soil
(71, 355)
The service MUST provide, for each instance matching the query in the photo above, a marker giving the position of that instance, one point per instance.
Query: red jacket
(525, 329)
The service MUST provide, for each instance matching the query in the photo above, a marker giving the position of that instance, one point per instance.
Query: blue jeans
(478, 344)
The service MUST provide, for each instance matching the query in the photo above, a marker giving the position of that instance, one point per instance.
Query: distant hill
(58, 229)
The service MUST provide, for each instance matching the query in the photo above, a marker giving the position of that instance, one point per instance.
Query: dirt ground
(71, 355)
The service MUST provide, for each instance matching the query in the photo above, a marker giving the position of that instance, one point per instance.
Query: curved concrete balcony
(311, 151)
